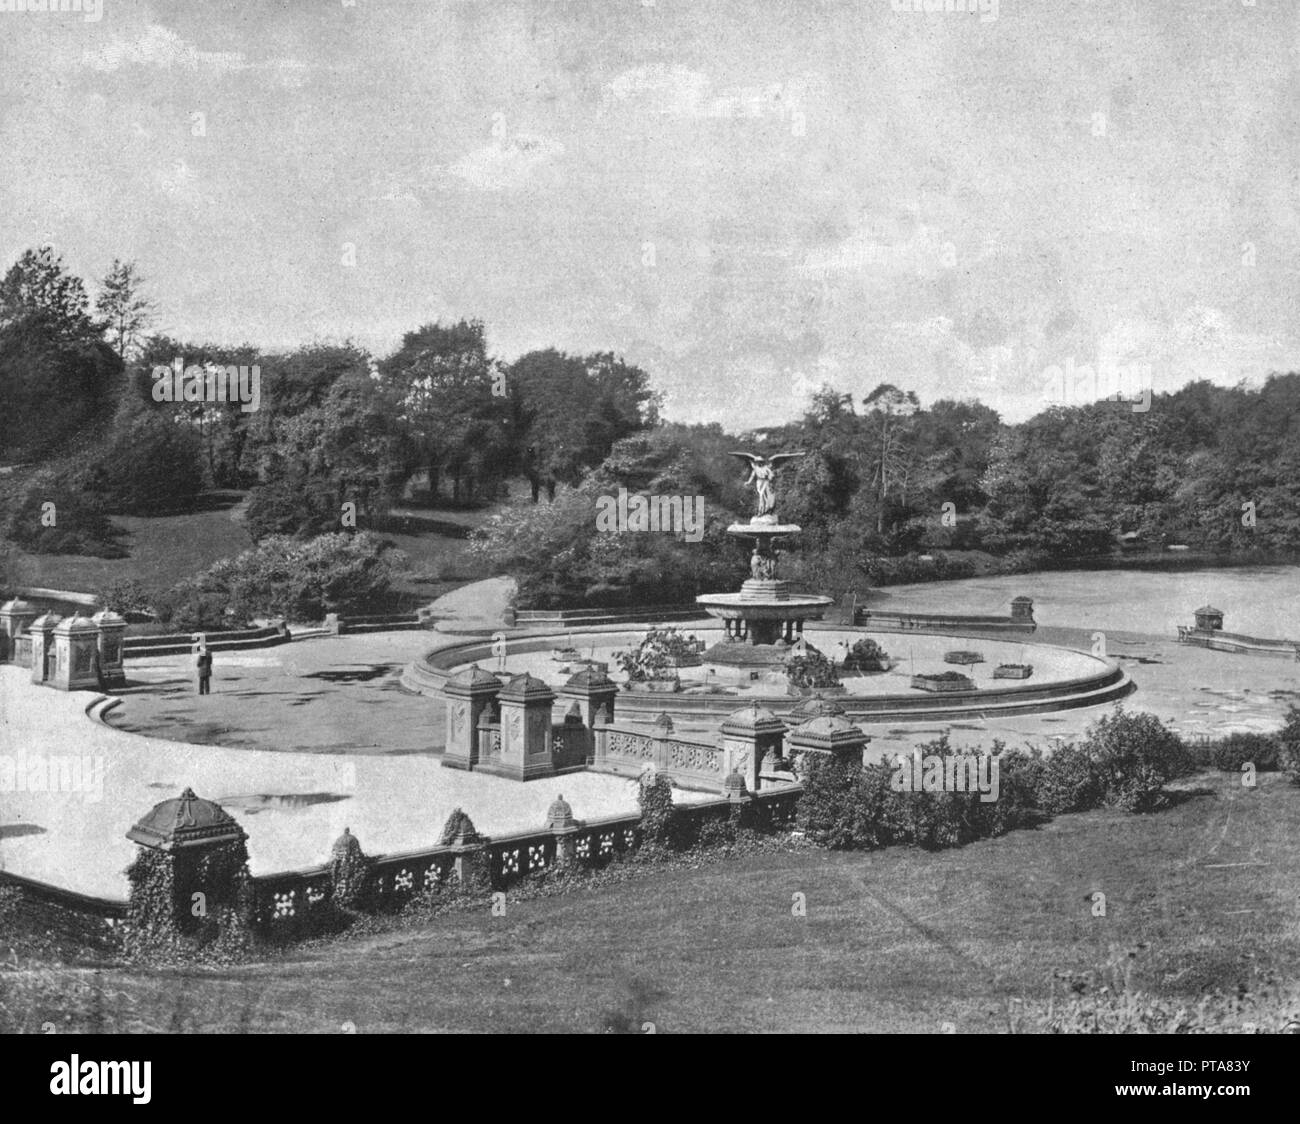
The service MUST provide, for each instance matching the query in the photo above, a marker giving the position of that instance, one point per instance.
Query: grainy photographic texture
(649, 516)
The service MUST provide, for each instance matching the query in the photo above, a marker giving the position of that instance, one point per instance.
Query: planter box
(804, 692)
(1013, 671)
(962, 657)
(930, 683)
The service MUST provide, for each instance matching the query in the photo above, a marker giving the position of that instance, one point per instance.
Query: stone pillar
(469, 695)
(525, 729)
(1022, 610)
(178, 835)
(599, 738)
(15, 616)
(76, 644)
(349, 872)
(112, 629)
(593, 690)
(469, 849)
(489, 737)
(42, 634)
(747, 734)
(831, 734)
(561, 823)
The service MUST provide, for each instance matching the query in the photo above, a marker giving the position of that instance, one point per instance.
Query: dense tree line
(336, 438)
(888, 490)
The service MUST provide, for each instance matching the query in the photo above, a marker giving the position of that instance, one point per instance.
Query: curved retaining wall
(428, 674)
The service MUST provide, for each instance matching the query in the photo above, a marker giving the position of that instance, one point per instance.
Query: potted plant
(867, 655)
(652, 665)
(809, 671)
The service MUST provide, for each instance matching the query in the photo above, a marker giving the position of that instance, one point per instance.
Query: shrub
(125, 595)
(149, 466)
(1019, 775)
(827, 808)
(1135, 755)
(80, 525)
(1289, 745)
(1069, 782)
(188, 608)
(298, 505)
(809, 669)
(845, 806)
(657, 656)
(1230, 753)
(283, 577)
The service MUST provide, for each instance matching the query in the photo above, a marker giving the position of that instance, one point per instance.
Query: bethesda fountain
(764, 621)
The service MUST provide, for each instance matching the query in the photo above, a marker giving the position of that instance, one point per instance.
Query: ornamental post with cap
(192, 861)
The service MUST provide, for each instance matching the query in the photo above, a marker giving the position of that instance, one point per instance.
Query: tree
(454, 418)
(56, 373)
(889, 407)
(149, 466)
(39, 288)
(567, 411)
(126, 312)
(345, 450)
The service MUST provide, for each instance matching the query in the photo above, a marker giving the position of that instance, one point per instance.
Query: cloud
(677, 91)
(505, 165)
(674, 90)
(160, 48)
(868, 251)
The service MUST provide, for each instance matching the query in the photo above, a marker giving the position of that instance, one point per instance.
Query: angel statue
(761, 476)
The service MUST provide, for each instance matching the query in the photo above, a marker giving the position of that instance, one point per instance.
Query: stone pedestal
(42, 638)
(831, 734)
(1022, 610)
(593, 690)
(469, 695)
(76, 647)
(112, 629)
(561, 822)
(1209, 619)
(15, 617)
(188, 830)
(747, 735)
(526, 744)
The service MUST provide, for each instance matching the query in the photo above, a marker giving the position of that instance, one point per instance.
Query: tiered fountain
(764, 621)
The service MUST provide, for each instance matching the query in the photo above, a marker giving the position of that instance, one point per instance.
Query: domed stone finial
(664, 723)
(346, 844)
(734, 786)
(560, 814)
(458, 829)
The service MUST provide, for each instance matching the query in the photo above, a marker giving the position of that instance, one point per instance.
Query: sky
(748, 198)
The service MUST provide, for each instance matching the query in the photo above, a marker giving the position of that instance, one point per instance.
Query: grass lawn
(162, 550)
(1200, 896)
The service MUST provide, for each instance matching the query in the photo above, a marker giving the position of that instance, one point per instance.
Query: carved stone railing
(291, 904)
(627, 750)
(1219, 640)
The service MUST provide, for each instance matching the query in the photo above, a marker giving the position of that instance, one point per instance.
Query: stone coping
(428, 674)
